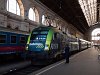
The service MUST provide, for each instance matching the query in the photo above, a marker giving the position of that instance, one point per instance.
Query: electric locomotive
(47, 43)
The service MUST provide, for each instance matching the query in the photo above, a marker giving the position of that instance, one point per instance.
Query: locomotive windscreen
(40, 39)
(39, 36)
(37, 40)
(36, 37)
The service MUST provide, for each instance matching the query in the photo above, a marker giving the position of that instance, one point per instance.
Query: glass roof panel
(89, 8)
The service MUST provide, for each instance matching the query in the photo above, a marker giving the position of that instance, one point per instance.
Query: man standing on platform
(67, 53)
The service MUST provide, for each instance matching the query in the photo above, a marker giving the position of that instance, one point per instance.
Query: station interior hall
(35, 34)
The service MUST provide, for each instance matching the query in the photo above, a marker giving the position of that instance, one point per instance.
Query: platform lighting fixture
(89, 8)
(60, 6)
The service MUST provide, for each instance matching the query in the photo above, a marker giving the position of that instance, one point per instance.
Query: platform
(82, 63)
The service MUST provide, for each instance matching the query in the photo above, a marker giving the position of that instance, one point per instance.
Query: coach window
(2, 38)
(55, 36)
(22, 39)
(13, 39)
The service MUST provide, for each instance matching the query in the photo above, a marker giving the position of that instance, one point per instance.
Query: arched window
(31, 14)
(96, 36)
(12, 6)
(43, 19)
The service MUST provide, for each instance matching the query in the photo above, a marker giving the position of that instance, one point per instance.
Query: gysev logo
(38, 45)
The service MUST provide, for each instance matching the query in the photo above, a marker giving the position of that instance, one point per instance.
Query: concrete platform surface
(83, 63)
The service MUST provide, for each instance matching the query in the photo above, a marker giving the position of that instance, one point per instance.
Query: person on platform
(67, 53)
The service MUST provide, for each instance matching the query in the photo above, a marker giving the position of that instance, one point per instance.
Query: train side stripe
(13, 48)
(28, 41)
(49, 37)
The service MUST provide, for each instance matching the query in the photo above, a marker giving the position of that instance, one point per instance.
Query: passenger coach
(12, 42)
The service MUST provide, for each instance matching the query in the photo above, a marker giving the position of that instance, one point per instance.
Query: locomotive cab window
(2, 38)
(13, 39)
(22, 39)
(55, 36)
(59, 36)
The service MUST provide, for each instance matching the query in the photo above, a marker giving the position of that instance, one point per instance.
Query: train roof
(48, 28)
(66, 35)
(4, 29)
(54, 29)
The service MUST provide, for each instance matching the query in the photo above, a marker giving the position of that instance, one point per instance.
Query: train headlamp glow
(46, 47)
(27, 47)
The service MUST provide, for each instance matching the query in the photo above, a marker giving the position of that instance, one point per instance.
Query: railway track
(4, 69)
(23, 68)
(25, 71)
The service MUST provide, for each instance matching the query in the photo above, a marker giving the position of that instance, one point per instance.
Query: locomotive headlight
(46, 47)
(26, 47)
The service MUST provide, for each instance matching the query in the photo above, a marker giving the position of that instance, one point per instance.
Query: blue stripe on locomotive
(8, 34)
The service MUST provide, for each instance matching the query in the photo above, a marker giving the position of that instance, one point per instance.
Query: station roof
(80, 13)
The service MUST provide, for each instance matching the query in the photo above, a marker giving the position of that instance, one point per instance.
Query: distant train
(46, 43)
(12, 41)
